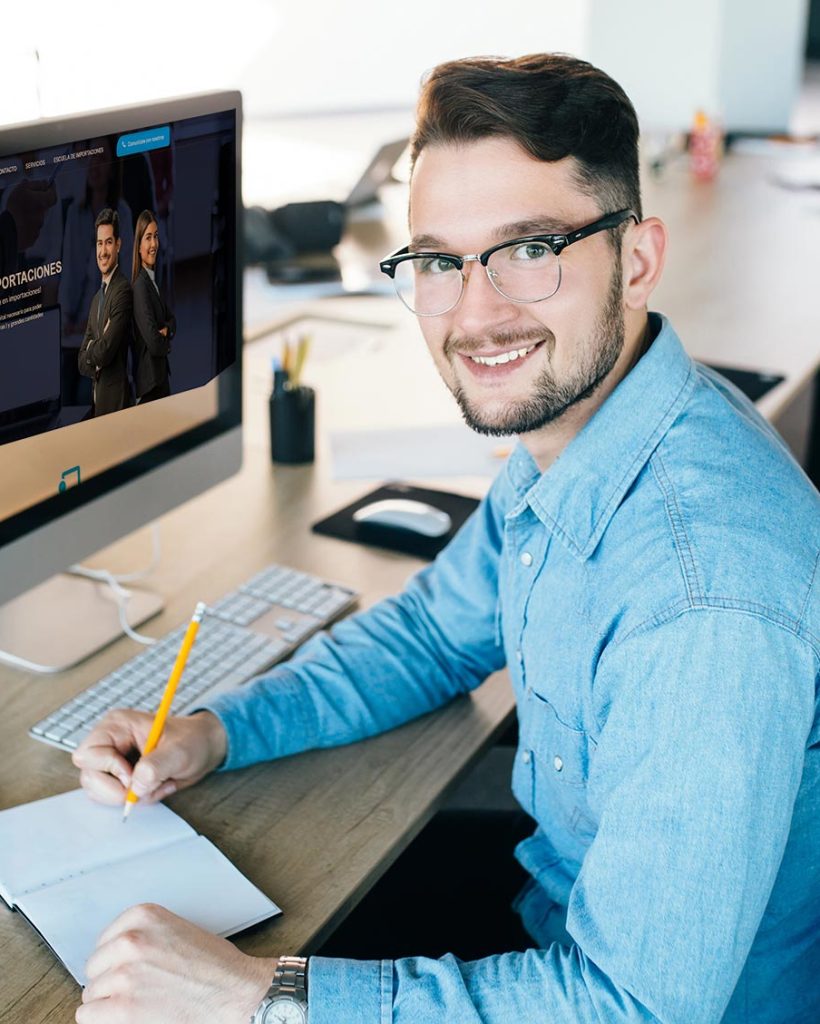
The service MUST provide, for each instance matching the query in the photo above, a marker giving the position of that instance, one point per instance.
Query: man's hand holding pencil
(133, 756)
(191, 747)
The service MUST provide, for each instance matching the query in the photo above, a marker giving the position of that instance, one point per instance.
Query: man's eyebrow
(425, 243)
(517, 229)
(533, 226)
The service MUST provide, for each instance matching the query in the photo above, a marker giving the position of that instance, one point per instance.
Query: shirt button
(526, 757)
(519, 657)
(526, 559)
(557, 763)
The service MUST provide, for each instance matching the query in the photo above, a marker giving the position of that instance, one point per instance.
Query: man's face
(149, 246)
(463, 199)
(108, 248)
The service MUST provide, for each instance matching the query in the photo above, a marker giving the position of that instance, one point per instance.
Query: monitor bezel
(37, 135)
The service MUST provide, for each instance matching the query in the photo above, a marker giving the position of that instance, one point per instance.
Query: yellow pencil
(301, 356)
(167, 697)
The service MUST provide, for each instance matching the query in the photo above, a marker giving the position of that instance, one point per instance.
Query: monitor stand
(61, 622)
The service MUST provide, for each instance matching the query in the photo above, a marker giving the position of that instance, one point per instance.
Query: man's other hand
(152, 966)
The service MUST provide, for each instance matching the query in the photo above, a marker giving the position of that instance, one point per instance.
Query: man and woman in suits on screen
(125, 318)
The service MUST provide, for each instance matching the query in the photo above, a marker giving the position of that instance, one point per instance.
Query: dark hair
(145, 218)
(551, 104)
(108, 216)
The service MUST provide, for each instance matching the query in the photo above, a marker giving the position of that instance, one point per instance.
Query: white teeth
(505, 357)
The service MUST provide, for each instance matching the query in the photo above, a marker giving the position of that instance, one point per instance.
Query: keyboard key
(227, 653)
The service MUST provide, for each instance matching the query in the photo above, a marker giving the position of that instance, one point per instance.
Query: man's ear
(643, 254)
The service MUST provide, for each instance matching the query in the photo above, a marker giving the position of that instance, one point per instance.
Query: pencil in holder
(292, 418)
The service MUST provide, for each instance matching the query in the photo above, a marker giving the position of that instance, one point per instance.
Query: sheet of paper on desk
(191, 878)
(50, 839)
(72, 866)
(446, 451)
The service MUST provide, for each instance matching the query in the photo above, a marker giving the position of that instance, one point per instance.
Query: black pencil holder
(292, 417)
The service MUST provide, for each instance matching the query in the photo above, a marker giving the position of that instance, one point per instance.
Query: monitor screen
(120, 313)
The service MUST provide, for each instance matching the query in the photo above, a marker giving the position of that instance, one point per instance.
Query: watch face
(284, 1010)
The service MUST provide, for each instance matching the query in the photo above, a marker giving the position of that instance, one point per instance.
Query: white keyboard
(242, 634)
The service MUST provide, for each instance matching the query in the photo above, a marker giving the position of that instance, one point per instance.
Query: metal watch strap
(289, 982)
(290, 976)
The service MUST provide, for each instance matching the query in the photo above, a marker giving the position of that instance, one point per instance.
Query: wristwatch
(285, 1001)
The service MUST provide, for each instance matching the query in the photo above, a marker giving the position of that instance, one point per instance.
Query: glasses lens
(428, 285)
(525, 271)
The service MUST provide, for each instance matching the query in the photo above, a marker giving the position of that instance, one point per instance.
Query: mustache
(497, 339)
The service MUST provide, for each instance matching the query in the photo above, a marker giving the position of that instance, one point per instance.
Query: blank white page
(191, 878)
(61, 836)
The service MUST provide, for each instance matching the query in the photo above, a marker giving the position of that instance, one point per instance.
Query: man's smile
(499, 362)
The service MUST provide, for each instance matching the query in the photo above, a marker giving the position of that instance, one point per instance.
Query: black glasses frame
(556, 242)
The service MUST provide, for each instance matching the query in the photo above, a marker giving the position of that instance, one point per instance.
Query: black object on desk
(341, 524)
(752, 383)
(294, 242)
(304, 268)
(292, 420)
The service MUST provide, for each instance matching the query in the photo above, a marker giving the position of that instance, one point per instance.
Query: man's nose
(481, 305)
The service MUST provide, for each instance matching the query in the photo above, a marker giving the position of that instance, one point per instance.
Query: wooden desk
(313, 831)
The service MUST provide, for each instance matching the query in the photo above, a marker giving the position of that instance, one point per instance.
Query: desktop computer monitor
(113, 408)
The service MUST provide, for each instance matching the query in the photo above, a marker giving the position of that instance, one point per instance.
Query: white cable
(29, 666)
(120, 593)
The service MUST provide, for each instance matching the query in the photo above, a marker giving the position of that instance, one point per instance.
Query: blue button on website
(141, 142)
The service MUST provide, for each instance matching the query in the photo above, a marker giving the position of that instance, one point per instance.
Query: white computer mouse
(405, 514)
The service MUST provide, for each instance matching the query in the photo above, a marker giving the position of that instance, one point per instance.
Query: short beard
(551, 398)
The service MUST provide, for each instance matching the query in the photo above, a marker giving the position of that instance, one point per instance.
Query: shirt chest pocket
(552, 768)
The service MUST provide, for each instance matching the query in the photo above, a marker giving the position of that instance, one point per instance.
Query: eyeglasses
(522, 270)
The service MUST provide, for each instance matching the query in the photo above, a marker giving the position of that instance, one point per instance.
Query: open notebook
(72, 866)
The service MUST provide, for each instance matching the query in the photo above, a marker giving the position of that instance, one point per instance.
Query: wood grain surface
(313, 831)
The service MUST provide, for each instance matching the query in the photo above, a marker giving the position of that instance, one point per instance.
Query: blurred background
(745, 62)
(719, 85)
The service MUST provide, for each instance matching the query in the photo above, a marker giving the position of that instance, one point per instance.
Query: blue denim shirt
(654, 596)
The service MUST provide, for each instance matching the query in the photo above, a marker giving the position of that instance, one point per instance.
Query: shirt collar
(580, 492)
(150, 273)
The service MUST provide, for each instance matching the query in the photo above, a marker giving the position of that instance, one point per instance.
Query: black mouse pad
(341, 523)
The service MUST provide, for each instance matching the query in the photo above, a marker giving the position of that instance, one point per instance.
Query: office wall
(371, 54)
(59, 57)
(741, 60)
(761, 59)
(287, 57)
(663, 54)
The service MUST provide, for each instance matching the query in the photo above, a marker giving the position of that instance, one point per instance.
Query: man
(103, 354)
(644, 565)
